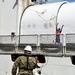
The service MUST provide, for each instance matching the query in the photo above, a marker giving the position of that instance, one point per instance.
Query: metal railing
(30, 39)
(43, 43)
(70, 45)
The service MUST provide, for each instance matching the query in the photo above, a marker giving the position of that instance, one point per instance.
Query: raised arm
(57, 26)
(62, 27)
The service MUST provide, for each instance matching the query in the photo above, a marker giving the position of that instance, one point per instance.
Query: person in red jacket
(58, 31)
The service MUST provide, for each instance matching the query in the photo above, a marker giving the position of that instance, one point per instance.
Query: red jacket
(58, 32)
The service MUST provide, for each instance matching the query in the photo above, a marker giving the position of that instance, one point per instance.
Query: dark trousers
(58, 38)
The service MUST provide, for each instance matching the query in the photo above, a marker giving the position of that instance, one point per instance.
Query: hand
(57, 23)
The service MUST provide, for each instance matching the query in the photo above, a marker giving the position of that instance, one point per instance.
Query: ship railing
(41, 44)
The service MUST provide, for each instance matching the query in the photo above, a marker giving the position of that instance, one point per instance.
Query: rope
(42, 13)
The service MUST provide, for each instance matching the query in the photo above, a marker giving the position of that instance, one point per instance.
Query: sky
(51, 1)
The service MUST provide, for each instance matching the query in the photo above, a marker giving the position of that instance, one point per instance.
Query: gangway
(42, 44)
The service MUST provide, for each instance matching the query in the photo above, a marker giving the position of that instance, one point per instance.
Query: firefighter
(24, 63)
